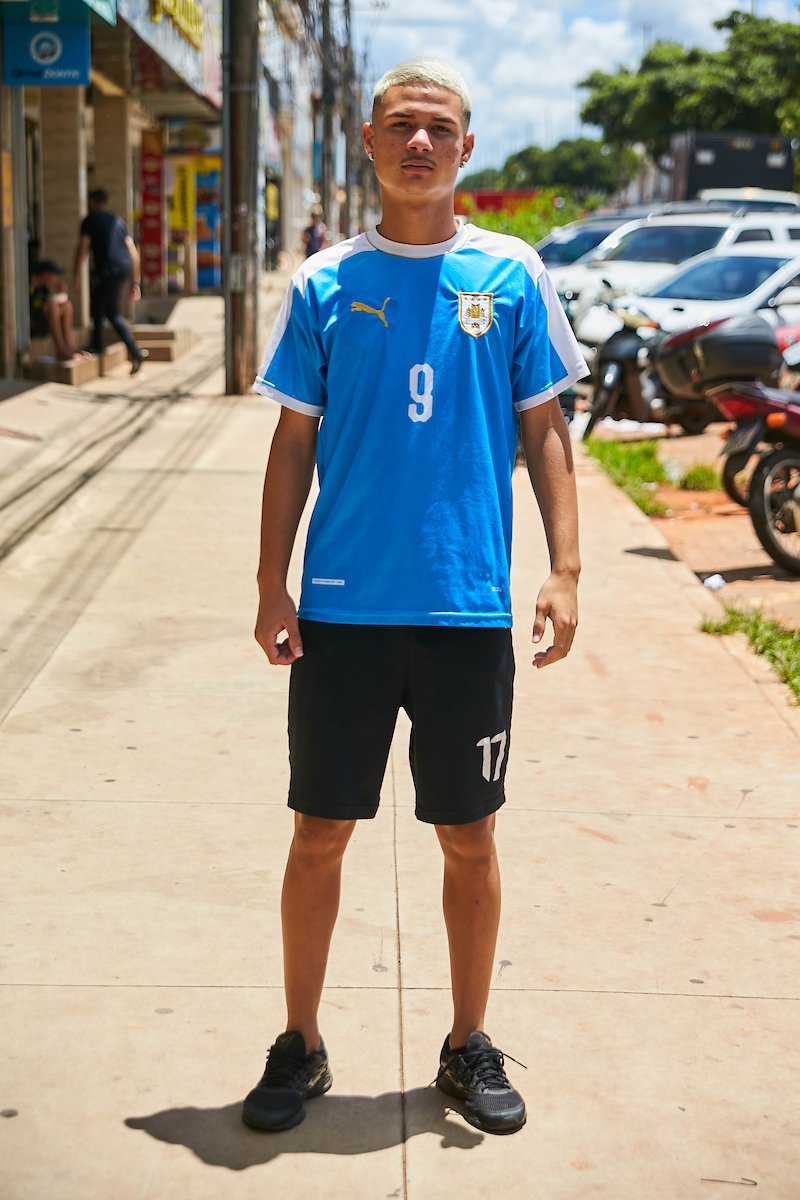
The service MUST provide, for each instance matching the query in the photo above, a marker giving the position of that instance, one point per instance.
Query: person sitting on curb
(51, 309)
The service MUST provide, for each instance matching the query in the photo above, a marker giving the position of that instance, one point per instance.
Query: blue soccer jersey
(416, 358)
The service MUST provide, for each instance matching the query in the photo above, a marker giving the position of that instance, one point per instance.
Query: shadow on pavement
(653, 552)
(749, 574)
(333, 1125)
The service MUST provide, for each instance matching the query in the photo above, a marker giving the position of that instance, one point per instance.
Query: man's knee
(319, 840)
(468, 844)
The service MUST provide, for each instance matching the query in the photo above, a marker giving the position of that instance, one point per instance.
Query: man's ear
(367, 135)
(467, 148)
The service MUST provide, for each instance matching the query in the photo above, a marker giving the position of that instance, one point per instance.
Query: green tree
(488, 178)
(752, 84)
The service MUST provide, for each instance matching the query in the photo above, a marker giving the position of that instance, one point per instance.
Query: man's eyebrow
(441, 119)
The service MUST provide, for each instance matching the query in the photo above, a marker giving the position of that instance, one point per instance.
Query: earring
(370, 157)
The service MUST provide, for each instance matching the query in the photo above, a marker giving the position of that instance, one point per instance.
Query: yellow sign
(186, 15)
(8, 195)
(182, 214)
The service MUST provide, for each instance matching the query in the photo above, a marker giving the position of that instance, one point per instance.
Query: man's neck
(423, 226)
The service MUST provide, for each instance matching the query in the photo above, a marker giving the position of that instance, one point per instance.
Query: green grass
(780, 646)
(635, 467)
(701, 478)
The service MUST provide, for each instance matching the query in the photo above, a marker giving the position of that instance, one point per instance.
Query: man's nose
(419, 140)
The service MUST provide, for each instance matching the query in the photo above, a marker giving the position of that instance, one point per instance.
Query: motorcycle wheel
(601, 405)
(734, 477)
(774, 505)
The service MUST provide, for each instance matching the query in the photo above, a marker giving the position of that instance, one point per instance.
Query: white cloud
(523, 60)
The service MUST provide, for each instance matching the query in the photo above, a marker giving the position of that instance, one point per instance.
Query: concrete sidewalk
(647, 969)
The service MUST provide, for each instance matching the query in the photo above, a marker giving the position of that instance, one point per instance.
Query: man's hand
(136, 291)
(277, 612)
(558, 602)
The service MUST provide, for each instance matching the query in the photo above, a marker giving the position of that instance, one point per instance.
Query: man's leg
(53, 319)
(471, 901)
(309, 907)
(113, 287)
(97, 303)
(65, 316)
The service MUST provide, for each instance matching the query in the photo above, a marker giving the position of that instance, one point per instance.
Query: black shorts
(455, 683)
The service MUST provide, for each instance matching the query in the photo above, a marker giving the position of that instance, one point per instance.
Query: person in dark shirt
(115, 260)
(315, 236)
(51, 308)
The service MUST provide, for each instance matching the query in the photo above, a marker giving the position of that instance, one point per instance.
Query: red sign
(152, 240)
(484, 199)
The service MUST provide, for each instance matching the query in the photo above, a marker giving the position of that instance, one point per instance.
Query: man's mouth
(418, 164)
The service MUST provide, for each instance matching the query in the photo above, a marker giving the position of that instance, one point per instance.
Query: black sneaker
(291, 1077)
(138, 359)
(475, 1074)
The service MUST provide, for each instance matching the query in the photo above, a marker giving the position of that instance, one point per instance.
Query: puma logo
(357, 306)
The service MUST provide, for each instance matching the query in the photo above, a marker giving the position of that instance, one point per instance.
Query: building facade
(126, 95)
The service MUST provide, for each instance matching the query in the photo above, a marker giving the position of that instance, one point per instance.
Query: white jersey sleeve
(293, 369)
(547, 358)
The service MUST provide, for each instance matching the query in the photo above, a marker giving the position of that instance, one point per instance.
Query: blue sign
(44, 53)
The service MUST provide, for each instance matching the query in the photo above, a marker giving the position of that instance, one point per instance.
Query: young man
(416, 344)
(115, 260)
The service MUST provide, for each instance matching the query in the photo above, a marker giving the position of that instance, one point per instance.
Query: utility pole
(351, 123)
(240, 64)
(328, 101)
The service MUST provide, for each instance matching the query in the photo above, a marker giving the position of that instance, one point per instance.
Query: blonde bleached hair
(425, 70)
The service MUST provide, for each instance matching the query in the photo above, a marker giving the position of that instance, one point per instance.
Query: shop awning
(107, 9)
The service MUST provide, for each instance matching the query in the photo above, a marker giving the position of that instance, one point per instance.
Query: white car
(640, 254)
(733, 281)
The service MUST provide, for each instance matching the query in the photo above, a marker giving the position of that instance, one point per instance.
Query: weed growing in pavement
(780, 646)
(635, 467)
(701, 478)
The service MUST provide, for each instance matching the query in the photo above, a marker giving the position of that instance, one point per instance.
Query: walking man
(115, 261)
(401, 359)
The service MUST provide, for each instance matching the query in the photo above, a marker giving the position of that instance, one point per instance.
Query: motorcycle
(766, 417)
(628, 381)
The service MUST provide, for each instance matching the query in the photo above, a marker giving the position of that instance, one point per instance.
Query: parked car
(725, 282)
(567, 243)
(641, 254)
(753, 198)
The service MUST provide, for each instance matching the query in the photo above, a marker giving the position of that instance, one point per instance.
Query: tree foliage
(752, 84)
(582, 167)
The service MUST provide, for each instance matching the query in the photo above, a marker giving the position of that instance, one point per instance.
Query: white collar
(411, 250)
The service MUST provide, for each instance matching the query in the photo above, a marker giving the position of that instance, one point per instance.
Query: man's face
(418, 139)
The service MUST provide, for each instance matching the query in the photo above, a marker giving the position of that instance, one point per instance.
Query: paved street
(648, 962)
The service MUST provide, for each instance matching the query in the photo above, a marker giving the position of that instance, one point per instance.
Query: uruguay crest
(475, 312)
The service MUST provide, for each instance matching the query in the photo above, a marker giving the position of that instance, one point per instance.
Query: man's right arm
(80, 258)
(287, 483)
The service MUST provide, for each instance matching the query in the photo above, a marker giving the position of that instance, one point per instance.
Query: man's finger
(295, 642)
(539, 624)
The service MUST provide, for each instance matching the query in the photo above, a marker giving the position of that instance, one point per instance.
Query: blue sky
(523, 58)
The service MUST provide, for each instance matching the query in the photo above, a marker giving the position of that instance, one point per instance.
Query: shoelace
(283, 1068)
(487, 1065)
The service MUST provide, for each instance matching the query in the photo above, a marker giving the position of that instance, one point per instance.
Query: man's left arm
(548, 453)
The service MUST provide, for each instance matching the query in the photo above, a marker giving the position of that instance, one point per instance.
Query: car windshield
(663, 243)
(565, 249)
(722, 277)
